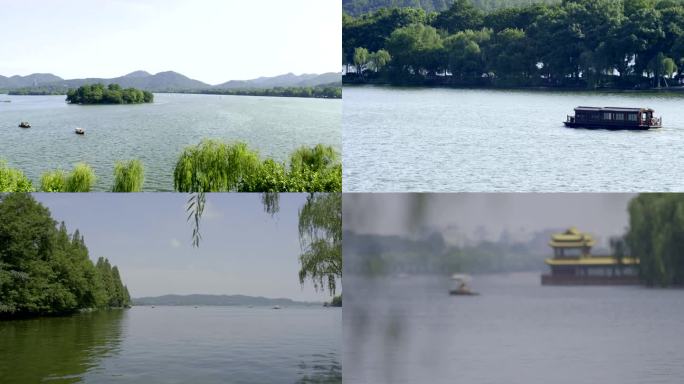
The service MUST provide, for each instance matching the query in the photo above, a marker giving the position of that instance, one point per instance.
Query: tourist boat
(276, 307)
(462, 288)
(79, 131)
(24, 124)
(613, 118)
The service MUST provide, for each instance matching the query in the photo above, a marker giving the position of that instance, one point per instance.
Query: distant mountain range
(219, 300)
(168, 81)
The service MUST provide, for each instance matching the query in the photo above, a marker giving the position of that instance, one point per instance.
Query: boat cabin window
(618, 116)
(632, 116)
(607, 116)
(643, 116)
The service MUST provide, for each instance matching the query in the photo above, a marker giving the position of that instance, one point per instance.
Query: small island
(112, 94)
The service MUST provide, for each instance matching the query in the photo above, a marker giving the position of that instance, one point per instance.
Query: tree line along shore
(623, 44)
(44, 270)
(114, 94)
(210, 166)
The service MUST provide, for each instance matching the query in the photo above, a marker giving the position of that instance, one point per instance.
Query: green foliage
(43, 269)
(39, 91)
(336, 301)
(320, 237)
(329, 91)
(128, 176)
(112, 94)
(215, 166)
(54, 181)
(81, 179)
(656, 237)
(573, 43)
(13, 180)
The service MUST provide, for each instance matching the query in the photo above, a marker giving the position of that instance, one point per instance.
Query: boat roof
(619, 109)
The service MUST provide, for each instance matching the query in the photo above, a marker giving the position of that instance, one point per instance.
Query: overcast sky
(208, 40)
(243, 251)
(458, 214)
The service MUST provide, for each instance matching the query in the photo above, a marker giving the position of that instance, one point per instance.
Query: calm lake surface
(409, 330)
(419, 139)
(156, 133)
(176, 345)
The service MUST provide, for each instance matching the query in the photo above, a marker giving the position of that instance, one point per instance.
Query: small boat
(79, 131)
(462, 288)
(613, 118)
(276, 307)
(24, 124)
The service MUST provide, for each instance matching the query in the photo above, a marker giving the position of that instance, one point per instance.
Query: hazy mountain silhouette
(168, 81)
(227, 300)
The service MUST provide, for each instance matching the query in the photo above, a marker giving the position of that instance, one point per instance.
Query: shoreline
(429, 85)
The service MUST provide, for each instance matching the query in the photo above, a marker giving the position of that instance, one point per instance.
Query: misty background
(471, 232)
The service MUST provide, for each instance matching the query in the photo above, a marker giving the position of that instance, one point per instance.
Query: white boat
(79, 131)
(462, 289)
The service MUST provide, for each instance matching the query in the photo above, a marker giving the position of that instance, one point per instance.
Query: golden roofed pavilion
(573, 262)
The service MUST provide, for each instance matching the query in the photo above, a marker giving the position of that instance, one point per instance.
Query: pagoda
(573, 263)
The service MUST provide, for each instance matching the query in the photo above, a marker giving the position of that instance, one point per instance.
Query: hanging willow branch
(320, 238)
(195, 208)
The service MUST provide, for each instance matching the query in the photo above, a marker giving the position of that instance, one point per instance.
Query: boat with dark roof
(613, 118)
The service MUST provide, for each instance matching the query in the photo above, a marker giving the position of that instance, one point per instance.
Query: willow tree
(320, 239)
(128, 176)
(320, 234)
(13, 180)
(656, 237)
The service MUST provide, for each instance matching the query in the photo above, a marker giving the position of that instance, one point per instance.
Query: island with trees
(44, 270)
(111, 94)
(567, 44)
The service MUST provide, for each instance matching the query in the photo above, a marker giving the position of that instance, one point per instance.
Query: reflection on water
(410, 330)
(58, 349)
(176, 345)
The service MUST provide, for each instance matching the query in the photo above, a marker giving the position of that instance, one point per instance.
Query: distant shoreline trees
(44, 270)
(573, 43)
(111, 94)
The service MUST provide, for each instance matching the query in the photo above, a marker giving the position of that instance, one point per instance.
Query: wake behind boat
(613, 118)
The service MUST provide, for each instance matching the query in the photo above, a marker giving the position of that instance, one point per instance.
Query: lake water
(156, 133)
(176, 345)
(409, 330)
(417, 139)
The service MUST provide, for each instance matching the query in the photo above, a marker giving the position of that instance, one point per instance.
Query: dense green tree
(415, 49)
(656, 237)
(112, 94)
(44, 270)
(460, 16)
(591, 43)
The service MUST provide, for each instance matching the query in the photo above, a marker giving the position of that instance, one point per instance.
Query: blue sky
(244, 250)
(209, 40)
